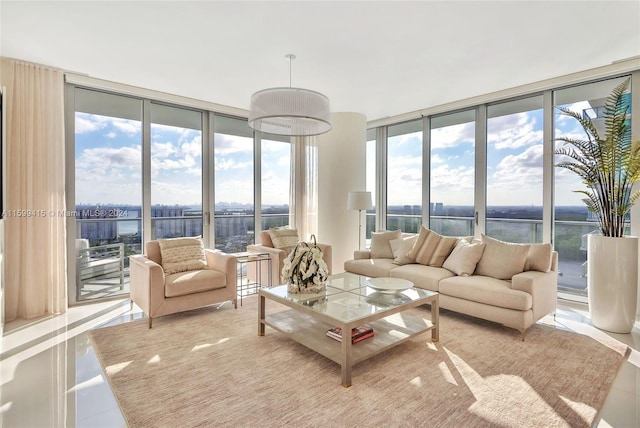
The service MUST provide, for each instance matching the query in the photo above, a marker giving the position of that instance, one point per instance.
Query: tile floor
(50, 376)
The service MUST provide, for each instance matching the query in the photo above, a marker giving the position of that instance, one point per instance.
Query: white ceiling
(379, 58)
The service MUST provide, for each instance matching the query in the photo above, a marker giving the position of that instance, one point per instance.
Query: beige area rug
(208, 367)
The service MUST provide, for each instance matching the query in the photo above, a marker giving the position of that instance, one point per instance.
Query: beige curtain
(35, 236)
(305, 197)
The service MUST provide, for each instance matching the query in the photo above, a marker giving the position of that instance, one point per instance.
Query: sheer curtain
(304, 199)
(35, 235)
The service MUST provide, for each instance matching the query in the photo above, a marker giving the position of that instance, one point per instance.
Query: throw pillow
(465, 256)
(401, 247)
(380, 247)
(182, 254)
(539, 258)
(284, 239)
(501, 259)
(431, 248)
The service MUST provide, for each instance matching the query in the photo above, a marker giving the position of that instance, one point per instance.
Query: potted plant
(608, 165)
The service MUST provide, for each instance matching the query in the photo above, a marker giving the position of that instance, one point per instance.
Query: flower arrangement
(304, 268)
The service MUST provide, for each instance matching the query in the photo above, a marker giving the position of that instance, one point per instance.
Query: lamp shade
(290, 111)
(359, 201)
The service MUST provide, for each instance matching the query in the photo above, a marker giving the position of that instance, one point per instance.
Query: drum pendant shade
(290, 111)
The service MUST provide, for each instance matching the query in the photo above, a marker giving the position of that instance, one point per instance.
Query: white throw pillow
(284, 239)
(539, 258)
(380, 246)
(465, 256)
(501, 259)
(401, 247)
(182, 254)
(431, 248)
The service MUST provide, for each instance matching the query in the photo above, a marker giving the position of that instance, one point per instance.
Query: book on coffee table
(357, 334)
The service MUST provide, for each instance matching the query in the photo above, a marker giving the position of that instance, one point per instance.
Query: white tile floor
(50, 376)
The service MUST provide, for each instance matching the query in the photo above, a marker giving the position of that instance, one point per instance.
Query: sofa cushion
(431, 248)
(374, 268)
(426, 277)
(539, 257)
(380, 247)
(284, 239)
(195, 281)
(265, 239)
(401, 248)
(501, 259)
(182, 254)
(465, 256)
(484, 289)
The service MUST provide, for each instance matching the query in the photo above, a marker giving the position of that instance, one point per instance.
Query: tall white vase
(612, 280)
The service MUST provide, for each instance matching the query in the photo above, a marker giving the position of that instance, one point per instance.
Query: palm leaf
(608, 165)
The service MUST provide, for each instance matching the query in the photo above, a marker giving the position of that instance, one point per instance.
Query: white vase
(612, 280)
(306, 288)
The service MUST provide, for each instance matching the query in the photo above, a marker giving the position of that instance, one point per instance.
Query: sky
(108, 164)
(514, 163)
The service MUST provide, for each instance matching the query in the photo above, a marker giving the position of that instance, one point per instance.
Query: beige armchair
(277, 260)
(159, 294)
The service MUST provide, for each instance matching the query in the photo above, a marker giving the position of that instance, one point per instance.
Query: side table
(247, 287)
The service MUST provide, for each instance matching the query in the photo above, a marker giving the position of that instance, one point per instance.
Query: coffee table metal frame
(347, 303)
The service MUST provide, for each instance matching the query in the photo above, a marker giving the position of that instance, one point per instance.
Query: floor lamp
(359, 201)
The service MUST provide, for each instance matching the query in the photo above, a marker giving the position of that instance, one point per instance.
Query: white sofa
(523, 291)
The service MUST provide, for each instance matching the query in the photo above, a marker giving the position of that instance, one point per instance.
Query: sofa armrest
(146, 280)
(277, 261)
(543, 288)
(327, 255)
(222, 262)
(361, 254)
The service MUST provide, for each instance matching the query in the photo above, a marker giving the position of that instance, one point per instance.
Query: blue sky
(514, 163)
(108, 164)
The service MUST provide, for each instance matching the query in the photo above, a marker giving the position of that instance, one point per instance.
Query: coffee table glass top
(348, 297)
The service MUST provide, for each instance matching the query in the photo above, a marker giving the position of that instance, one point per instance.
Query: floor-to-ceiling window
(370, 179)
(108, 191)
(234, 189)
(514, 170)
(275, 180)
(176, 172)
(452, 173)
(404, 176)
(572, 221)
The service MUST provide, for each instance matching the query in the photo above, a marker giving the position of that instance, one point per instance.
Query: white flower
(305, 265)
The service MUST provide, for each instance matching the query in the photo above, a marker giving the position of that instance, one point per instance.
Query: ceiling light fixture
(290, 111)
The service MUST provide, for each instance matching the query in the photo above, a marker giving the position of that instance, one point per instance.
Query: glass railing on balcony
(103, 247)
(113, 240)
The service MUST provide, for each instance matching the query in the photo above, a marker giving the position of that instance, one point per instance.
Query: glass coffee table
(349, 301)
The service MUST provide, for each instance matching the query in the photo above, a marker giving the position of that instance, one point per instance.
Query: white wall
(341, 169)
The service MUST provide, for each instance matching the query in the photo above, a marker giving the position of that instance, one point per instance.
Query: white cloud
(452, 136)
(436, 159)
(162, 150)
(86, 123)
(227, 163)
(513, 131)
(521, 171)
(106, 158)
(129, 127)
(225, 144)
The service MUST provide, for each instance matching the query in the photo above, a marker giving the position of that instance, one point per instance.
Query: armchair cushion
(193, 281)
(182, 254)
(284, 239)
